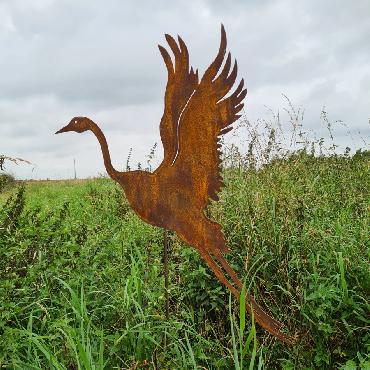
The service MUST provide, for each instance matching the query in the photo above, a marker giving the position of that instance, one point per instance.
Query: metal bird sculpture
(176, 194)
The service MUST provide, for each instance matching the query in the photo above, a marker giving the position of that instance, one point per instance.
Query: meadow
(82, 282)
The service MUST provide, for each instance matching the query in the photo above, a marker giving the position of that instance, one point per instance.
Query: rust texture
(176, 194)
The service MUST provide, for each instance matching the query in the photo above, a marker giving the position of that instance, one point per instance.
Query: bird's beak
(64, 129)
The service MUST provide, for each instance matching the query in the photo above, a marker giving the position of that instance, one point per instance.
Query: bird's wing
(180, 85)
(207, 115)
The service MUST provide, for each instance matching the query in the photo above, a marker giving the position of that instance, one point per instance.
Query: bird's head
(77, 124)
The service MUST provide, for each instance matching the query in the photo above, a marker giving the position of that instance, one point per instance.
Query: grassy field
(82, 283)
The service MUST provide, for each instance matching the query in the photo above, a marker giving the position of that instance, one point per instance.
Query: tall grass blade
(235, 350)
(190, 350)
(343, 281)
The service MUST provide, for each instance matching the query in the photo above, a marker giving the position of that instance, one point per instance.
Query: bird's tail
(263, 319)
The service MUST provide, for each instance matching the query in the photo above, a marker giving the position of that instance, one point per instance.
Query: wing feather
(180, 85)
(207, 116)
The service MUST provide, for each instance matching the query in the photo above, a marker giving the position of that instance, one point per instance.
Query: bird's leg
(218, 272)
(250, 298)
(221, 276)
(229, 269)
(260, 316)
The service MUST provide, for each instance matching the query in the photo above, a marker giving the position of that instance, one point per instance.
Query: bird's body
(165, 201)
(176, 195)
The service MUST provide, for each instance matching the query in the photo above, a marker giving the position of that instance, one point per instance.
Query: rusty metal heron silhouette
(176, 194)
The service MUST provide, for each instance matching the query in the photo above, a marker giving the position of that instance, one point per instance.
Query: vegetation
(6, 180)
(82, 285)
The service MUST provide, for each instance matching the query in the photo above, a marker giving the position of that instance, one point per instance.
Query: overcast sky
(65, 58)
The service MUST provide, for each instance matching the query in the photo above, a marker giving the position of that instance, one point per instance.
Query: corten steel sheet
(176, 194)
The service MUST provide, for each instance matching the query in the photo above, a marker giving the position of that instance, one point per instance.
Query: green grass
(82, 287)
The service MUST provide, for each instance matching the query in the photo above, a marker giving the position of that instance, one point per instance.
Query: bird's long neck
(112, 172)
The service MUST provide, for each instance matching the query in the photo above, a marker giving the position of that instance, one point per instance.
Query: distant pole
(74, 167)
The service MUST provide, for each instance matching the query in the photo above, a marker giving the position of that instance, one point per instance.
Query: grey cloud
(60, 59)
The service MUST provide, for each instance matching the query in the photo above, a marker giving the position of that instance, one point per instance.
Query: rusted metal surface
(176, 194)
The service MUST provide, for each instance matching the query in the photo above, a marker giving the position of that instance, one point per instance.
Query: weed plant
(82, 285)
(6, 181)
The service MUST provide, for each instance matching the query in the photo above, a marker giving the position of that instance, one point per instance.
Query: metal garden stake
(176, 194)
